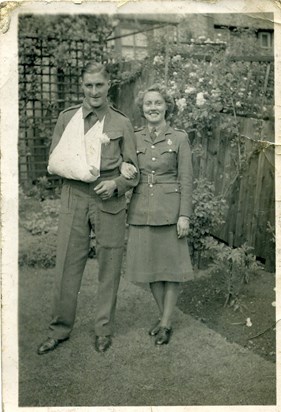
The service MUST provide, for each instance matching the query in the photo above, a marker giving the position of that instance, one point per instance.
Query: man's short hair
(95, 67)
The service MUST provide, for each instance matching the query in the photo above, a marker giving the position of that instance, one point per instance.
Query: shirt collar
(159, 129)
(100, 112)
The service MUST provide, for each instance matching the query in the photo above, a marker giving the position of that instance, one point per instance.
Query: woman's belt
(152, 179)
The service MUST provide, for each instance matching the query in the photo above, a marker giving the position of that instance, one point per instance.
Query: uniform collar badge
(169, 142)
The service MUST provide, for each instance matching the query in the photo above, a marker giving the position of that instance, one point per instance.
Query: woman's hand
(128, 170)
(183, 226)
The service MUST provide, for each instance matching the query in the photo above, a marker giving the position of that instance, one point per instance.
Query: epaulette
(118, 111)
(138, 129)
(180, 130)
(77, 106)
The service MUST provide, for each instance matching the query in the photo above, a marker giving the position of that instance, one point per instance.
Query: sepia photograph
(140, 214)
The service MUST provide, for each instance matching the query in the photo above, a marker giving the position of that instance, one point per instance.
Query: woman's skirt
(154, 253)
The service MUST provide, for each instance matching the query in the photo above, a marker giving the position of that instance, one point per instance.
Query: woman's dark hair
(95, 67)
(162, 90)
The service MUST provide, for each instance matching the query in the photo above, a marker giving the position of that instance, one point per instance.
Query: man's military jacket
(165, 189)
(122, 140)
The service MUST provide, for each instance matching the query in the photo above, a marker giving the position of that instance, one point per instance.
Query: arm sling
(77, 155)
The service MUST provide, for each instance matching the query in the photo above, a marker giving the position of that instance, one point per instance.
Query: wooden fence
(244, 174)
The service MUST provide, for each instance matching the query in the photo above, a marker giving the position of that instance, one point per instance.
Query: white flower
(175, 74)
(192, 74)
(200, 100)
(176, 58)
(190, 90)
(238, 104)
(158, 60)
(201, 80)
(248, 322)
(181, 103)
(104, 139)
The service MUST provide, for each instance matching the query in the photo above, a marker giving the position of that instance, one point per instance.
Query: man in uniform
(99, 205)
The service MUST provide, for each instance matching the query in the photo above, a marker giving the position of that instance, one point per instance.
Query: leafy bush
(46, 220)
(208, 215)
(234, 265)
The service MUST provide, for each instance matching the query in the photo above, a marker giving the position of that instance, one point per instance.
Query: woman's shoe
(163, 336)
(155, 329)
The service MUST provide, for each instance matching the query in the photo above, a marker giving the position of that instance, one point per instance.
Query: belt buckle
(150, 179)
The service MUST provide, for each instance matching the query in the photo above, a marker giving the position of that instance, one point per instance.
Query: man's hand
(183, 226)
(128, 170)
(105, 189)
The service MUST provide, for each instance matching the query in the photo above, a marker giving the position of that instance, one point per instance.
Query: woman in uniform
(160, 207)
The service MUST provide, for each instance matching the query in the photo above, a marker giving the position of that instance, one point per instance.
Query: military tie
(153, 134)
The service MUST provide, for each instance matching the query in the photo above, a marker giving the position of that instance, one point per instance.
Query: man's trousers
(81, 210)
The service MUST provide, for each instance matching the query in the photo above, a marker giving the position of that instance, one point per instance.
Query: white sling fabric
(78, 156)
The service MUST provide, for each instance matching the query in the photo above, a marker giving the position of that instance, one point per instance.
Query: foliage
(208, 214)
(205, 80)
(39, 253)
(42, 189)
(234, 265)
(44, 221)
(61, 32)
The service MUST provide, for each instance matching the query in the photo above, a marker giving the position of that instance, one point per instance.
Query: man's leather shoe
(155, 329)
(49, 345)
(163, 336)
(102, 343)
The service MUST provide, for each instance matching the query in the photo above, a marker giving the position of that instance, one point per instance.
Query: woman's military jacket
(165, 189)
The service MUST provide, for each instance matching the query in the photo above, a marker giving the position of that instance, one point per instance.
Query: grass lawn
(198, 367)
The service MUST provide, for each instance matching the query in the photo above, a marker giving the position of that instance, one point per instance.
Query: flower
(181, 103)
(158, 60)
(248, 322)
(200, 100)
(190, 90)
(177, 58)
(104, 139)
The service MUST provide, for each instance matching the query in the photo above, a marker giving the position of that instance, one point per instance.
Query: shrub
(208, 214)
(44, 221)
(233, 265)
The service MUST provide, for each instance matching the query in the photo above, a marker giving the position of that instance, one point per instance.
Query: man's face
(95, 87)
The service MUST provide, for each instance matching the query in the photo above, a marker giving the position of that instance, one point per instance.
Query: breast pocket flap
(114, 134)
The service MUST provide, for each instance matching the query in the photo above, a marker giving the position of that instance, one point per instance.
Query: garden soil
(200, 366)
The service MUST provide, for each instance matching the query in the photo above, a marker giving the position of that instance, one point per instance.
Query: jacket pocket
(168, 150)
(111, 150)
(113, 205)
(141, 150)
(172, 189)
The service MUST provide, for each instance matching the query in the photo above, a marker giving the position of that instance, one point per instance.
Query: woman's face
(154, 108)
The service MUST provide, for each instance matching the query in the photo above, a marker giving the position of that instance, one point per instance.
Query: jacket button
(153, 159)
(153, 171)
(150, 185)
(153, 147)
